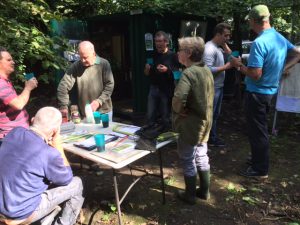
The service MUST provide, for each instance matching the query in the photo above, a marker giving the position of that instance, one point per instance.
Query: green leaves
(250, 200)
(234, 189)
(27, 37)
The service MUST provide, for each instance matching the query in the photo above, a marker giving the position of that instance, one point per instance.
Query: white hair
(86, 46)
(47, 119)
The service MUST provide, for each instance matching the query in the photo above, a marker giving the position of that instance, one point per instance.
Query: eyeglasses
(182, 49)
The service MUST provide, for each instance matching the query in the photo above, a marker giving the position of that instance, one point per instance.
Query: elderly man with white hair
(31, 161)
(94, 81)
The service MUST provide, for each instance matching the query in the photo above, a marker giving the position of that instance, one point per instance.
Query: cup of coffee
(100, 142)
(105, 120)
(97, 117)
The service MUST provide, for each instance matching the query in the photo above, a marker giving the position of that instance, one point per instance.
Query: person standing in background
(94, 82)
(161, 82)
(192, 118)
(265, 65)
(214, 58)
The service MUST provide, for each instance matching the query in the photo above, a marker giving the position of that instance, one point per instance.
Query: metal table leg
(162, 177)
(117, 197)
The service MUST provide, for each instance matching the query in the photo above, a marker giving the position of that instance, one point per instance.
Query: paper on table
(119, 153)
(123, 148)
(118, 134)
(126, 129)
(76, 136)
(90, 142)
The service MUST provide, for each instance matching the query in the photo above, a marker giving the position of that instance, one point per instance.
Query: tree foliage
(285, 13)
(25, 25)
(25, 32)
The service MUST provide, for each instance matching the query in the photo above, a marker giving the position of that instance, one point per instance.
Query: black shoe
(216, 143)
(249, 161)
(251, 173)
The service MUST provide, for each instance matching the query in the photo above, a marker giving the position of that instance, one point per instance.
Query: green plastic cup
(105, 120)
(97, 117)
(100, 142)
(176, 75)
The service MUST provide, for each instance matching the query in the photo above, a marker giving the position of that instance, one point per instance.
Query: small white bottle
(89, 113)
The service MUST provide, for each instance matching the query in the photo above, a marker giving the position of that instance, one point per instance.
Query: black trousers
(257, 107)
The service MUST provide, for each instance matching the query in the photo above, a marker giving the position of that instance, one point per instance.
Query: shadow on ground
(235, 200)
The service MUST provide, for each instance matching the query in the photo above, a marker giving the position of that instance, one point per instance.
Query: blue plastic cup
(176, 75)
(97, 117)
(28, 76)
(100, 142)
(105, 120)
(149, 61)
(235, 54)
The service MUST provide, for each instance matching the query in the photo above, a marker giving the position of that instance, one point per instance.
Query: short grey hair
(193, 45)
(47, 119)
(86, 46)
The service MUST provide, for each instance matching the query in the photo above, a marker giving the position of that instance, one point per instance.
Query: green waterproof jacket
(192, 104)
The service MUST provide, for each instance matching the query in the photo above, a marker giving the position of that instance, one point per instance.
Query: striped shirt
(10, 117)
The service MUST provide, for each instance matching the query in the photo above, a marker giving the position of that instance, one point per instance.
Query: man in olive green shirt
(94, 82)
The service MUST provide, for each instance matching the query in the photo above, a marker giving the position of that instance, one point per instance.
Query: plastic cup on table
(100, 142)
(97, 117)
(176, 75)
(105, 120)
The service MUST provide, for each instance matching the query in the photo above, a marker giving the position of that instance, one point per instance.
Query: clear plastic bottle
(89, 113)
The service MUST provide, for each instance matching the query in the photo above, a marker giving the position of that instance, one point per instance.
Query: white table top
(96, 128)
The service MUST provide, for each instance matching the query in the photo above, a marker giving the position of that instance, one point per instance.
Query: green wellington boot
(203, 191)
(189, 195)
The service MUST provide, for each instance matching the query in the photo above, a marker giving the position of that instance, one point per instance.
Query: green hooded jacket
(192, 104)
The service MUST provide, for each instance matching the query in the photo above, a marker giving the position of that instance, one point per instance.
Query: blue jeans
(257, 107)
(158, 101)
(218, 97)
(71, 197)
(193, 158)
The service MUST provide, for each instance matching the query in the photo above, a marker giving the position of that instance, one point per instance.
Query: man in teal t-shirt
(265, 66)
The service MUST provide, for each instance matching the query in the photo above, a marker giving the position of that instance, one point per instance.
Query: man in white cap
(265, 65)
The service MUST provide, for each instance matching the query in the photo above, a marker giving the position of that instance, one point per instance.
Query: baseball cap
(258, 12)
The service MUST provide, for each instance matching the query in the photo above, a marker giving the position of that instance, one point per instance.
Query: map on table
(118, 153)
